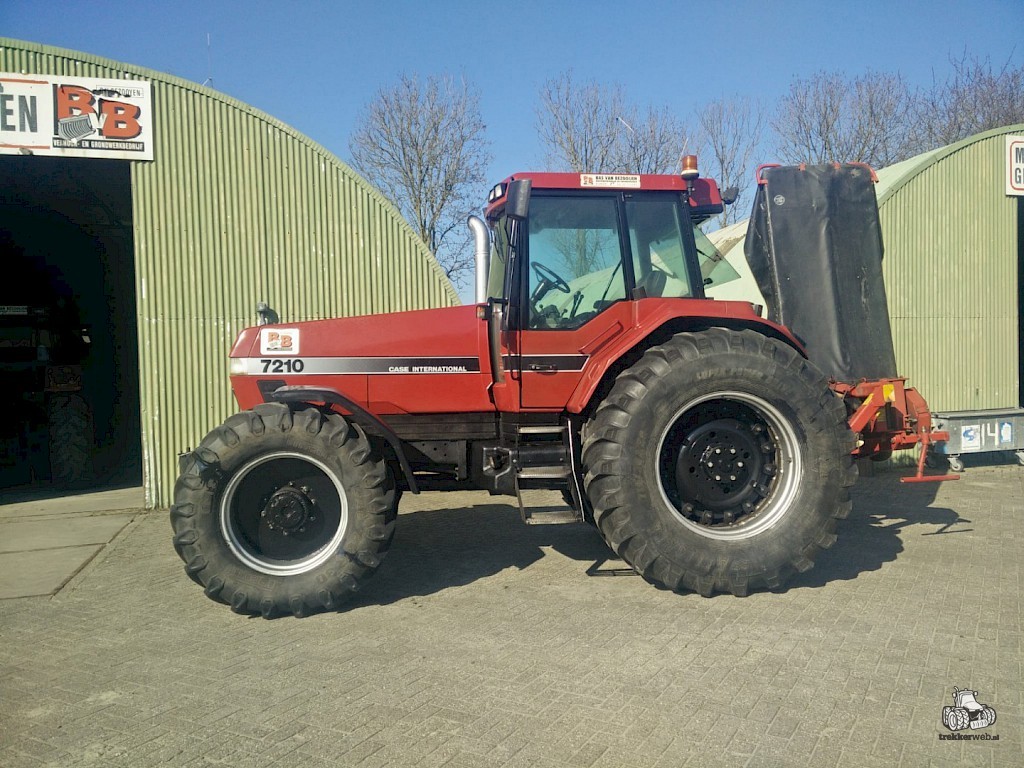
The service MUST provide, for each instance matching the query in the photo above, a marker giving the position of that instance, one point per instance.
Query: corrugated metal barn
(952, 272)
(166, 258)
(954, 246)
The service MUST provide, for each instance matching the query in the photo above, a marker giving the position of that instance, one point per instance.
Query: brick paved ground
(483, 642)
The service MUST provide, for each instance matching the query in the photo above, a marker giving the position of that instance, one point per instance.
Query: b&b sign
(75, 116)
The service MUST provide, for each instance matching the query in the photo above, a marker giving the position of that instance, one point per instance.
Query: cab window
(499, 257)
(575, 260)
(656, 241)
(714, 269)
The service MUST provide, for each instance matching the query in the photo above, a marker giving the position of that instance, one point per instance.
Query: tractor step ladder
(544, 476)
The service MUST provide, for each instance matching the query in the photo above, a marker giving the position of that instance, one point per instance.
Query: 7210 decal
(283, 365)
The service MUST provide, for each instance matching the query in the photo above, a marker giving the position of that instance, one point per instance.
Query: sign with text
(73, 116)
(1015, 165)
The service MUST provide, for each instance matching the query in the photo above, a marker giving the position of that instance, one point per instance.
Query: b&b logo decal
(279, 341)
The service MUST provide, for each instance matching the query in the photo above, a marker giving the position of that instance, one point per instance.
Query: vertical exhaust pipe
(481, 255)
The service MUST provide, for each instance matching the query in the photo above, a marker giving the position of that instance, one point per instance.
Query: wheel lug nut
(718, 450)
(732, 477)
(732, 450)
(718, 477)
(739, 463)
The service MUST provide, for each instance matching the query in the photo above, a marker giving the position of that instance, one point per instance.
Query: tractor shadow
(436, 550)
(884, 509)
(439, 549)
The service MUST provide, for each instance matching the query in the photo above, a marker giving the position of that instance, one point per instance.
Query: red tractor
(709, 451)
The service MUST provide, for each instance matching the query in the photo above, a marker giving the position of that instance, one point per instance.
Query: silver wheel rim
(780, 491)
(283, 513)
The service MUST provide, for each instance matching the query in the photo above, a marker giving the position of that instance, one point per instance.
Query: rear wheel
(69, 421)
(283, 512)
(719, 462)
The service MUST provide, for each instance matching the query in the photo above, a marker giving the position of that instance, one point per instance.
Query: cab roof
(705, 198)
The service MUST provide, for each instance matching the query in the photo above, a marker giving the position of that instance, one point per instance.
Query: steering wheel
(550, 277)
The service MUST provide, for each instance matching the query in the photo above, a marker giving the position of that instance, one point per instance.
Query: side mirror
(517, 201)
(729, 195)
(265, 314)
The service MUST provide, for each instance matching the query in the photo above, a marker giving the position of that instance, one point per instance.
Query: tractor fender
(655, 328)
(365, 419)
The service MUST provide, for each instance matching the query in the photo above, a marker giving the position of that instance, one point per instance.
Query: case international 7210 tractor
(711, 448)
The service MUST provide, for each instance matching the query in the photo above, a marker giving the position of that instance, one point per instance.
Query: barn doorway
(68, 326)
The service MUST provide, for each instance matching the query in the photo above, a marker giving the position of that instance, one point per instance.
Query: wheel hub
(289, 509)
(723, 469)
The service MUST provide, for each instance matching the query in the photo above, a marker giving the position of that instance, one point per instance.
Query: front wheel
(283, 512)
(719, 462)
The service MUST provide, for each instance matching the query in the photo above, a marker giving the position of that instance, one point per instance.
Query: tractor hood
(368, 343)
(423, 361)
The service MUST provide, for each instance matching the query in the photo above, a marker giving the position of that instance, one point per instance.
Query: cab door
(589, 255)
(574, 291)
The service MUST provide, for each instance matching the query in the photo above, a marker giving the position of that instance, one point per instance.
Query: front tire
(719, 462)
(283, 512)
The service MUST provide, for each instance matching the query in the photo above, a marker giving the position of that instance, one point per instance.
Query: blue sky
(314, 65)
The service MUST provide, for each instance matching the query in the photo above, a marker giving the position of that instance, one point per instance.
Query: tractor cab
(567, 247)
(568, 259)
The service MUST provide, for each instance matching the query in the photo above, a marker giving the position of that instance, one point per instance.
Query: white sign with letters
(73, 116)
(1015, 165)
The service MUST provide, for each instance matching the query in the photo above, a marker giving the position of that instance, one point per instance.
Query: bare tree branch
(652, 143)
(590, 128)
(973, 98)
(577, 124)
(729, 131)
(421, 143)
(831, 118)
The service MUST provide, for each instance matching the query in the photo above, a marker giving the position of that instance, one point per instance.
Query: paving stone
(34, 573)
(484, 642)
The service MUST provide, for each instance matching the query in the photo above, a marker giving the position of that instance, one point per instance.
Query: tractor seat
(653, 283)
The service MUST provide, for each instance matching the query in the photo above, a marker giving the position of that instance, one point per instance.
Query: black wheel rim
(728, 465)
(283, 513)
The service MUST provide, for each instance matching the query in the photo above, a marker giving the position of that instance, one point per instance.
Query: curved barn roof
(893, 177)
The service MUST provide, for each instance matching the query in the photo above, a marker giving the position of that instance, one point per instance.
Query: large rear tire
(69, 421)
(283, 512)
(719, 462)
